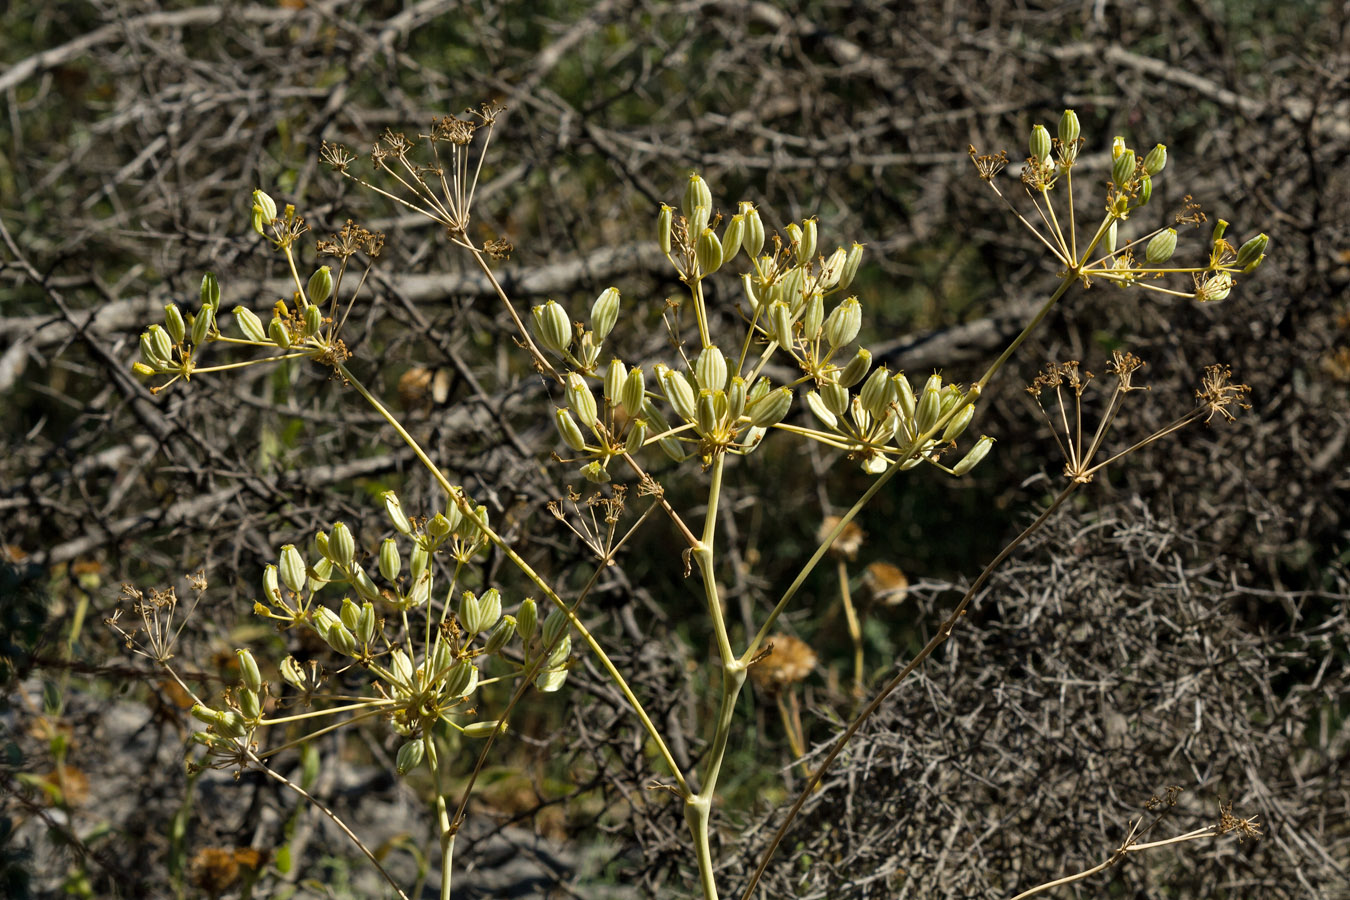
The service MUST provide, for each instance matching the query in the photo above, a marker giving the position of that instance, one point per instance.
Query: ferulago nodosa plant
(432, 657)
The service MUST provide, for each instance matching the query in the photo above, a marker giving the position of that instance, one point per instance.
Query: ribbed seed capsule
(806, 247)
(554, 626)
(929, 408)
(580, 400)
(365, 624)
(279, 333)
(904, 395)
(831, 269)
(250, 324)
(320, 286)
(958, 423)
(816, 404)
(1122, 170)
(636, 437)
(364, 586)
(780, 323)
(835, 397)
(342, 545)
(1252, 251)
(266, 204)
(1040, 144)
(410, 756)
(551, 326)
(708, 252)
(210, 291)
(748, 288)
(350, 613)
(791, 287)
(1145, 189)
(616, 373)
(439, 525)
(843, 323)
(732, 237)
(605, 312)
(1068, 128)
(159, 340)
(249, 675)
(710, 369)
(707, 418)
(313, 320)
(271, 586)
(771, 409)
(490, 608)
(250, 707)
(680, 395)
(341, 639)
(462, 680)
(696, 193)
(877, 393)
(698, 221)
(500, 636)
(469, 612)
(1161, 247)
(390, 561)
(1110, 239)
(857, 367)
(173, 321)
(527, 617)
(813, 317)
(483, 730)
(663, 223)
(292, 568)
(736, 391)
(849, 270)
(672, 448)
(972, 459)
(150, 353)
(1155, 160)
(753, 240)
(396, 514)
(634, 392)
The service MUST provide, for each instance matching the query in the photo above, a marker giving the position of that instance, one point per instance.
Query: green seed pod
(342, 545)
(1215, 288)
(663, 222)
(319, 573)
(291, 673)
(813, 317)
(706, 418)
(732, 237)
(201, 325)
(616, 373)
(958, 424)
(173, 321)
(1145, 190)
(320, 286)
(1068, 128)
(365, 624)
(410, 756)
(257, 221)
(554, 626)
(483, 730)
(696, 193)
(637, 436)
(698, 221)
(271, 587)
(462, 679)
(877, 393)
(396, 514)
(249, 675)
(142, 369)
(1155, 160)
(951, 395)
(527, 618)
(820, 410)
(794, 234)
(710, 369)
(490, 608)
(250, 707)
(292, 568)
(634, 392)
(1252, 251)
(679, 394)
(1161, 247)
(501, 635)
(831, 269)
(748, 288)
(843, 323)
(557, 657)
(857, 367)
(231, 725)
(1040, 144)
(390, 561)
(835, 398)
(806, 247)
(849, 271)
(340, 639)
(150, 353)
(210, 292)
(581, 401)
(771, 409)
(313, 320)
(470, 613)
(972, 459)
(1110, 239)
(929, 408)
(163, 347)
(736, 391)
(265, 204)
(551, 327)
(673, 448)
(250, 325)
(280, 335)
(204, 714)
(791, 288)
(551, 680)
(753, 240)
(904, 395)
(364, 586)
(708, 252)
(567, 427)
(419, 562)
(439, 525)
(1122, 170)
(605, 312)
(780, 323)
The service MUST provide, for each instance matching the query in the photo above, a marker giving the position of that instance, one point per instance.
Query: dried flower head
(789, 661)
(1245, 828)
(988, 166)
(888, 583)
(849, 541)
(1217, 392)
